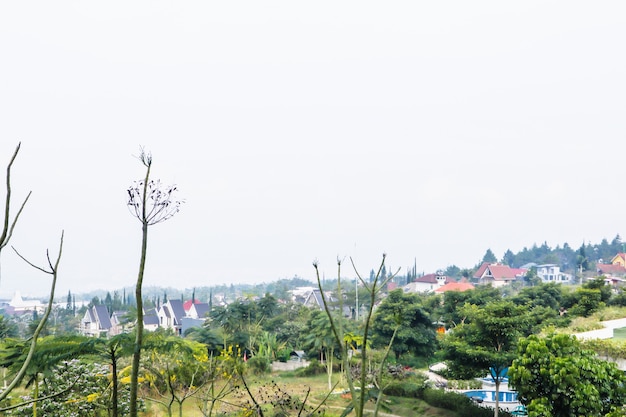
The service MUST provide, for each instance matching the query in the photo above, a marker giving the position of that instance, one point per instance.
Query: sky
(302, 131)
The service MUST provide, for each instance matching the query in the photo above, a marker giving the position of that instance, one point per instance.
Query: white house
(427, 283)
(171, 316)
(552, 273)
(96, 322)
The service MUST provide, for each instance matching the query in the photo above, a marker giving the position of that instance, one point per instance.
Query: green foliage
(487, 339)
(558, 378)
(8, 327)
(259, 364)
(460, 403)
(489, 257)
(405, 389)
(415, 330)
(315, 368)
(584, 302)
(454, 301)
(544, 295)
(84, 388)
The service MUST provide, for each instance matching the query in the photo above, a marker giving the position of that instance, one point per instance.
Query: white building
(552, 273)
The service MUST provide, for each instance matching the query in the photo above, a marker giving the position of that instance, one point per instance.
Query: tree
(339, 331)
(53, 271)
(320, 338)
(72, 388)
(453, 302)
(490, 257)
(404, 314)
(151, 203)
(556, 377)
(509, 258)
(487, 340)
(176, 369)
(531, 276)
(68, 306)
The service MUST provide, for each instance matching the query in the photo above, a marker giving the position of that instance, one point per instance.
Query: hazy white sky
(296, 131)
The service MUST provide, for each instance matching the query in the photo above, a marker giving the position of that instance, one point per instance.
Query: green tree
(454, 301)
(342, 336)
(8, 328)
(267, 306)
(320, 339)
(151, 203)
(487, 340)
(404, 315)
(489, 257)
(176, 370)
(556, 377)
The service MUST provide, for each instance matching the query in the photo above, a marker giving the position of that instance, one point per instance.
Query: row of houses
(495, 274)
(174, 315)
(499, 275)
(179, 316)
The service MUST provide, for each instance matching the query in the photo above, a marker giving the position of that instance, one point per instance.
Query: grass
(318, 385)
(585, 324)
(619, 334)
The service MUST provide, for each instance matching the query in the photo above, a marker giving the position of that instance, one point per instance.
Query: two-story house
(171, 316)
(552, 273)
(96, 322)
(427, 283)
(497, 275)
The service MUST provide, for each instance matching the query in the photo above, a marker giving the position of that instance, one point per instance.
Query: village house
(497, 275)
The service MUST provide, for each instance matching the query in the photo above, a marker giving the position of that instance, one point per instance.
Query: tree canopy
(556, 377)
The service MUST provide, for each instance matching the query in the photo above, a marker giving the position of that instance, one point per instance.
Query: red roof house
(498, 275)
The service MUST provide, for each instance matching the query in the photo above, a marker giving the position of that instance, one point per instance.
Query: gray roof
(177, 309)
(202, 309)
(151, 319)
(102, 314)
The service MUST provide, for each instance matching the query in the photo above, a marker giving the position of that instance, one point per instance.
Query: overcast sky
(430, 131)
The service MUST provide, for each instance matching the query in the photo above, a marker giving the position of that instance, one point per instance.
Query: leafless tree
(8, 225)
(358, 389)
(151, 203)
(7, 232)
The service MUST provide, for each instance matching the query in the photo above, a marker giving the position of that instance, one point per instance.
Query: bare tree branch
(8, 225)
(42, 323)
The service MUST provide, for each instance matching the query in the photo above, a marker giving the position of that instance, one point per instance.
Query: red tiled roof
(499, 272)
(187, 304)
(611, 269)
(455, 286)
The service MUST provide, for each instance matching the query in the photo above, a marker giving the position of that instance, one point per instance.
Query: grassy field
(619, 334)
(318, 386)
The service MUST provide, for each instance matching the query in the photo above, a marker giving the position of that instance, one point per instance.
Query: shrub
(259, 364)
(405, 389)
(460, 403)
(314, 368)
(283, 355)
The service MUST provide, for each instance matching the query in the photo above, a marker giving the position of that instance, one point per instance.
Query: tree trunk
(497, 409)
(134, 376)
(114, 383)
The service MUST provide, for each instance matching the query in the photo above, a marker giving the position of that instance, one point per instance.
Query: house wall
(618, 260)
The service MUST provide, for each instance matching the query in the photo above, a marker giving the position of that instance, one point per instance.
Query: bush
(405, 389)
(460, 403)
(462, 384)
(259, 364)
(283, 355)
(314, 368)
